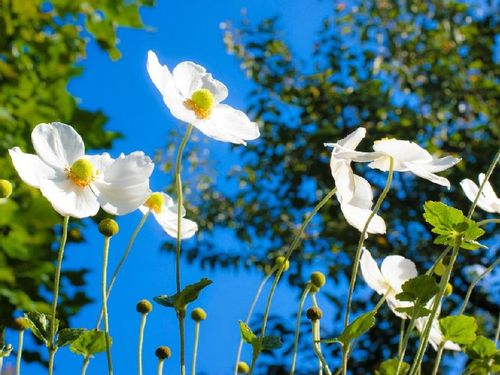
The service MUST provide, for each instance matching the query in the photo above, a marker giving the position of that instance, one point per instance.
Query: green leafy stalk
(249, 314)
(52, 347)
(178, 184)
(297, 328)
(195, 348)
(123, 259)
(141, 339)
(19, 352)
(105, 303)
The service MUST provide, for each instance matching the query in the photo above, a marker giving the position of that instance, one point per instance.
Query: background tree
(426, 71)
(41, 44)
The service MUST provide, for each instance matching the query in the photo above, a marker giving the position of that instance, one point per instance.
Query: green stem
(497, 334)
(195, 349)
(486, 178)
(318, 327)
(105, 303)
(404, 344)
(160, 367)
(141, 339)
(488, 221)
(438, 359)
(401, 336)
(57, 280)
(317, 347)
(85, 365)
(249, 314)
(439, 259)
(362, 240)
(19, 352)
(297, 328)
(123, 259)
(178, 185)
(474, 283)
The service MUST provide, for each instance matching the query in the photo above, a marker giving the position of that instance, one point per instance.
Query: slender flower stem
(297, 327)
(318, 327)
(497, 334)
(195, 348)
(178, 184)
(123, 259)
(401, 335)
(486, 178)
(19, 352)
(362, 240)
(488, 221)
(439, 259)
(404, 344)
(249, 314)
(1, 364)
(317, 347)
(85, 365)
(105, 303)
(474, 283)
(160, 367)
(438, 359)
(141, 339)
(57, 279)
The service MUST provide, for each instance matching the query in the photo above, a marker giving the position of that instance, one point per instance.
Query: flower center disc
(155, 202)
(81, 172)
(202, 101)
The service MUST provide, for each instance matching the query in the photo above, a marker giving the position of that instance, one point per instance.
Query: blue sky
(182, 31)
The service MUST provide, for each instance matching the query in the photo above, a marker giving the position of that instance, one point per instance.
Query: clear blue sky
(183, 31)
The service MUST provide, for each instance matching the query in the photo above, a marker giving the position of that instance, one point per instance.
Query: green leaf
(5, 350)
(40, 325)
(67, 335)
(419, 311)
(246, 333)
(271, 342)
(419, 290)
(187, 295)
(389, 367)
(89, 343)
(481, 348)
(460, 329)
(358, 326)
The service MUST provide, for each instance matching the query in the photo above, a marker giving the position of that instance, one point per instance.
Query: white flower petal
(217, 88)
(69, 199)
(57, 144)
(396, 270)
(363, 194)
(489, 194)
(357, 217)
(394, 304)
(353, 140)
(435, 335)
(188, 77)
(121, 199)
(420, 169)
(402, 150)
(347, 154)
(30, 167)
(188, 227)
(344, 179)
(371, 273)
(439, 165)
(125, 171)
(100, 162)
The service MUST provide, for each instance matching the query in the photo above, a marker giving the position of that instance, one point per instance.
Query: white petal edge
(396, 270)
(357, 217)
(30, 167)
(188, 77)
(371, 273)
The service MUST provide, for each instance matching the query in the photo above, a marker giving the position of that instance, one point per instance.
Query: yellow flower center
(155, 202)
(202, 101)
(81, 172)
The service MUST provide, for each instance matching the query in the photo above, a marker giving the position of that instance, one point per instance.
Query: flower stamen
(201, 103)
(81, 173)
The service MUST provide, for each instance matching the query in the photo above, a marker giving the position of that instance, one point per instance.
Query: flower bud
(198, 314)
(20, 324)
(243, 368)
(314, 313)
(144, 306)
(318, 279)
(163, 352)
(279, 262)
(108, 227)
(5, 189)
(448, 290)
(440, 268)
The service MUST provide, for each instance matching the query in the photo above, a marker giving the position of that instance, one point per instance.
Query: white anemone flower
(388, 280)
(77, 184)
(353, 192)
(488, 200)
(407, 157)
(165, 212)
(436, 335)
(192, 95)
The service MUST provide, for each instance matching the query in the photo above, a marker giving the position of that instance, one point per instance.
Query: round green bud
(5, 188)
(144, 306)
(279, 262)
(440, 268)
(448, 290)
(108, 227)
(82, 172)
(314, 313)
(163, 352)
(198, 314)
(318, 279)
(243, 368)
(155, 202)
(203, 99)
(20, 324)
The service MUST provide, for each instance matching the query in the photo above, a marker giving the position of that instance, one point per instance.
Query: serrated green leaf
(481, 348)
(5, 350)
(460, 329)
(271, 342)
(89, 343)
(187, 295)
(40, 325)
(358, 326)
(67, 335)
(389, 367)
(419, 311)
(419, 290)
(246, 333)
